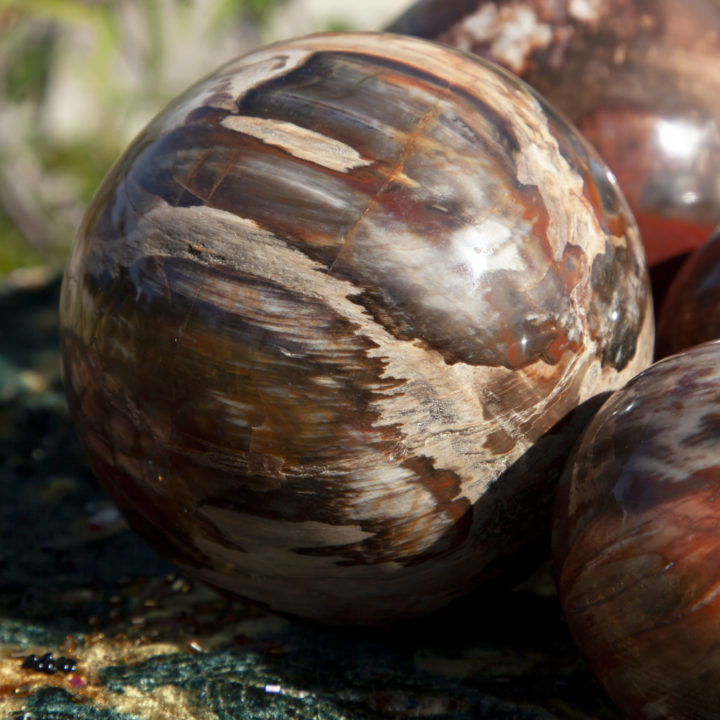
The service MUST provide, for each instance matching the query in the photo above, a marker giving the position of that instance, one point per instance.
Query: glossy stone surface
(324, 321)
(636, 540)
(640, 78)
(691, 312)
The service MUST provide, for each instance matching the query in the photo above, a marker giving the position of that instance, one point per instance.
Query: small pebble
(30, 661)
(195, 646)
(66, 665)
(46, 664)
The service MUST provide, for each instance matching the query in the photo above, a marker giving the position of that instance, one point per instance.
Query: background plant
(79, 78)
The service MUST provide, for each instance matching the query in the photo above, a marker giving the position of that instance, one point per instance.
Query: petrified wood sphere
(640, 78)
(319, 313)
(691, 311)
(637, 540)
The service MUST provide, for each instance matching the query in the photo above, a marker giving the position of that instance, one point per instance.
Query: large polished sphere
(640, 78)
(323, 323)
(636, 540)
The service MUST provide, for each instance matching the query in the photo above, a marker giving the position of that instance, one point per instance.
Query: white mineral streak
(299, 141)
(671, 426)
(709, 594)
(235, 412)
(270, 557)
(572, 220)
(229, 85)
(266, 569)
(256, 534)
(540, 163)
(671, 429)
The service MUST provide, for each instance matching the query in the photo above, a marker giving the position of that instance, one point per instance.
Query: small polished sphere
(636, 540)
(690, 313)
(324, 321)
(638, 77)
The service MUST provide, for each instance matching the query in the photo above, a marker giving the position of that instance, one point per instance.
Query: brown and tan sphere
(323, 320)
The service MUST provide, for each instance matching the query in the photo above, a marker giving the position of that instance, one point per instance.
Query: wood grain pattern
(326, 300)
(637, 540)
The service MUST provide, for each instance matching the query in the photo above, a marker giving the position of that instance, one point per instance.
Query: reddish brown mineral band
(691, 312)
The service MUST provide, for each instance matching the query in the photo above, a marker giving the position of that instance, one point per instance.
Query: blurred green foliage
(14, 250)
(27, 71)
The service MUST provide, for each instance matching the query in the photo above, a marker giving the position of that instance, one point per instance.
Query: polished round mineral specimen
(640, 78)
(690, 314)
(636, 540)
(323, 323)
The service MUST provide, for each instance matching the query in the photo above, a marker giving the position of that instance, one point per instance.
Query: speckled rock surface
(74, 581)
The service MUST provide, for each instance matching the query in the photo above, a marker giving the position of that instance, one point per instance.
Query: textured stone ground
(74, 581)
